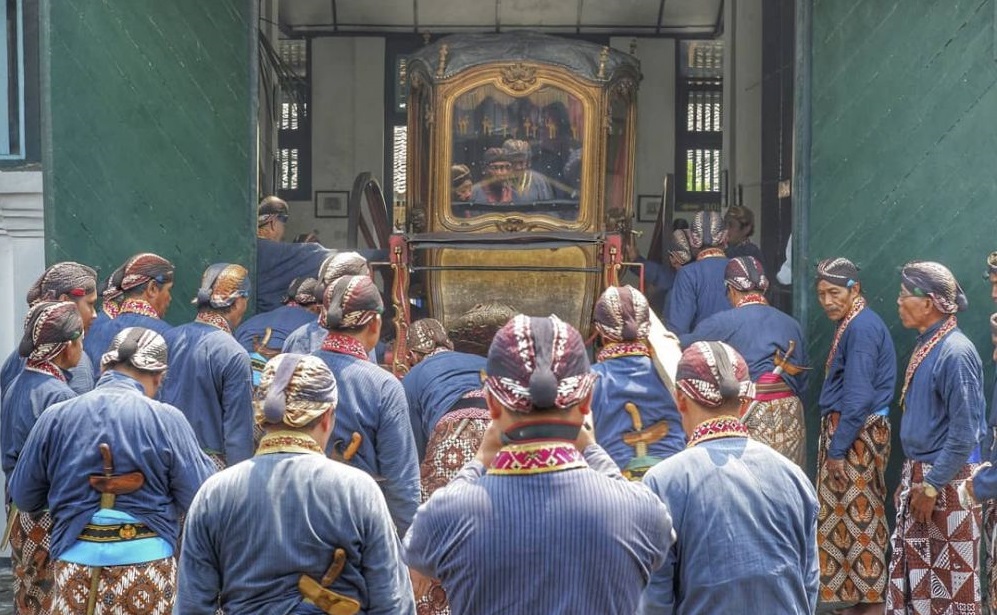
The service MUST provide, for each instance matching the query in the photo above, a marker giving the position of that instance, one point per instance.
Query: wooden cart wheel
(368, 225)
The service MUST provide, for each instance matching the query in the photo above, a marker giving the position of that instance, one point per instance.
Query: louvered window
(699, 134)
(294, 129)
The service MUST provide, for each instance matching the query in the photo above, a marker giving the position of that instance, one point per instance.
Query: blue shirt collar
(115, 378)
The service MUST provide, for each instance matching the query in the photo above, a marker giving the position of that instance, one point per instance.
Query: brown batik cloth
(989, 552)
(29, 558)
(851, 525)
(454, 442)
(134, 589)
(779, 423)
(934, 568)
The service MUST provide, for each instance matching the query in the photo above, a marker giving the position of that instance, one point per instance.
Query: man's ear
(494, 407)
(681, 401)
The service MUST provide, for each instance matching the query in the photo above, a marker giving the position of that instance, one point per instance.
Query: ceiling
(629, 17)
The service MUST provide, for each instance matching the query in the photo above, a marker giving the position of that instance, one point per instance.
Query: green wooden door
(903, 156)
(149, 133)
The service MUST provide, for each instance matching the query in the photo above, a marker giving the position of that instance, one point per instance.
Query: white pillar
(22, 257)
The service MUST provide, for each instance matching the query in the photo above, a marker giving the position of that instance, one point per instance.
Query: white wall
(655, 120)
(743, 103)
(347, 125)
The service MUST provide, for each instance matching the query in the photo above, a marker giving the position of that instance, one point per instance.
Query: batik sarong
(851, 525)
(777, 420)
(454, 442)
(29, 558)
(990, 553)
(934, 567)
(134, 589)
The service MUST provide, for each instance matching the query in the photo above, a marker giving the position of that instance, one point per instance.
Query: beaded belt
(116, 533)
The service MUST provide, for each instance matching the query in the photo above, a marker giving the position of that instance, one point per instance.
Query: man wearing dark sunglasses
(277, 263)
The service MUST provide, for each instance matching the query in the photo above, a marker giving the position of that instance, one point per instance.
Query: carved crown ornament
(519, 77)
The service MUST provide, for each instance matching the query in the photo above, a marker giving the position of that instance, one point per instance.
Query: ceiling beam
(335, 17)
(718, 27)
(661, 16)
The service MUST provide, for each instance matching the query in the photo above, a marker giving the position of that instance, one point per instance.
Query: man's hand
(586, 437)
(921, 506)
(420, 583)
(491, 442)
(835, 469)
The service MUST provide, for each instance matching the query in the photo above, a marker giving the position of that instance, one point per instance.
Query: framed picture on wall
(648, 207)
(331, 203)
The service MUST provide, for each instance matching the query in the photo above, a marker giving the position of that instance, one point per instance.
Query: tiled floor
(6, 585)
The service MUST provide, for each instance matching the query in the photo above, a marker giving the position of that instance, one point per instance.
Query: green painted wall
(148, 111)
(903, 154)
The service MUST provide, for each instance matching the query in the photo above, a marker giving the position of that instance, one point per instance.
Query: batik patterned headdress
(337, 266)
(142, 348)
(707, 230)
(221, 285)
(538, 363)
(746, 274)
(302, 292)
(67, 278)
(49, 327)
(680, 248)
(473, 331)
(426, 335)
(270, 209)
(350, 303)
(838, 271)
(622, 314)
(143, 268)
(712, 374)
(934, 280)
(294, 390)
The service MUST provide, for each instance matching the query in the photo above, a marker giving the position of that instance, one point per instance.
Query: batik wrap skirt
(777, 420)
(29, 557)
(135, 589)
(934, 568)
(852, 531)
(990, 552)
(454, 442)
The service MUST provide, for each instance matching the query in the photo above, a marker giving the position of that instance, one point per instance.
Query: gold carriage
(520, 177)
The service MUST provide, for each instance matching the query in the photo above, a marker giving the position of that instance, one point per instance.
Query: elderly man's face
(500, 169)
(836, 300)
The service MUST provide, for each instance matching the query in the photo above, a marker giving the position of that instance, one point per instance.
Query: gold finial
(425, 37)
(633, 46)
(444, 50)
(603, 56)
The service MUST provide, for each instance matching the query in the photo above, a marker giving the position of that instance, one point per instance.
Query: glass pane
(616, 154)
(517, 154)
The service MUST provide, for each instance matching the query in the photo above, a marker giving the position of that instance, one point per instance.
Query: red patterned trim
(536, 458)
(138, 306)
(111, 309)
(751, 299)
(857, 306)
(215, 320)
(623, 349)
(46, 367)
(344, 344)
(922, 351)
(711, 253)
(466, 413)
(720, 427)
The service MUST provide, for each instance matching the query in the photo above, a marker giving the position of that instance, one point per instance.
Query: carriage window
(617, 155)
(516, 154)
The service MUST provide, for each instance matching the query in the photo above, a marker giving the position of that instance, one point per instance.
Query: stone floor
(6, 584)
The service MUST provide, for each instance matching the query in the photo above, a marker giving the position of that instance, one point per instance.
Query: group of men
(504, 473)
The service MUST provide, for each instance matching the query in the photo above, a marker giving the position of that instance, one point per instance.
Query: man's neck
(934, 321)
